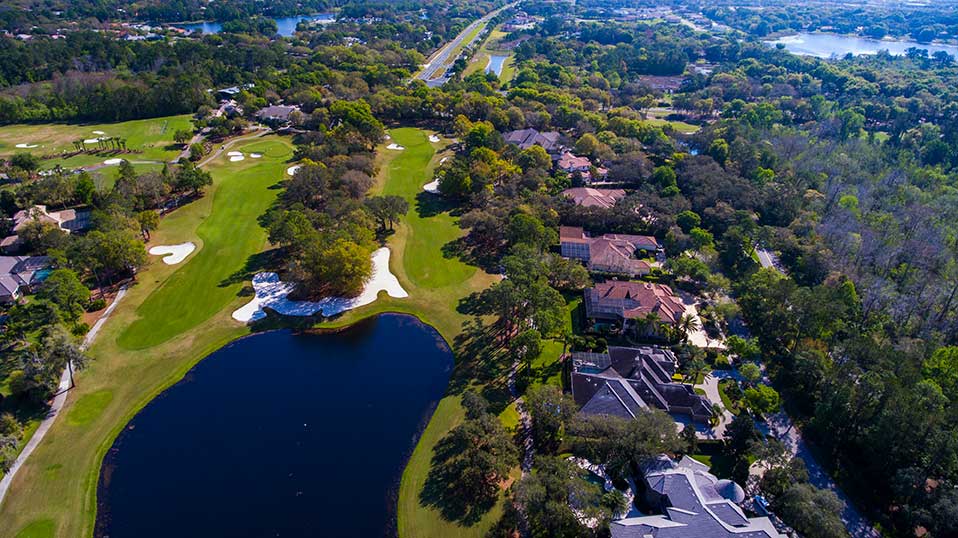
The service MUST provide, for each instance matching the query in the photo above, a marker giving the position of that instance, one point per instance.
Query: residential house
(276, 114)
(573, 164)
(526, 138)
(68, 220)
(20, 274)
(626, 381)
(693, 503)
(589, 197)
(631, 304)
(609, 253)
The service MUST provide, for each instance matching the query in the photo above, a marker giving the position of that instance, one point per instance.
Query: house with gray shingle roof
(626, 381)
(693, 504)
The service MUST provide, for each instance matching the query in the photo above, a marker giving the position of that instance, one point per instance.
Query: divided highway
(434, 70)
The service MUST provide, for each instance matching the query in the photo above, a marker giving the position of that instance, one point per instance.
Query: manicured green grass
(88, 407)
(230, 235)
(152, 139)
(489, 47)
(430, 227)
(55, 491)
(679, 126)
(42, 528)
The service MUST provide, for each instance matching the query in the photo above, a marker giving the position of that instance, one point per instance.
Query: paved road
(782, 428)
(432, 71)
(58, 401)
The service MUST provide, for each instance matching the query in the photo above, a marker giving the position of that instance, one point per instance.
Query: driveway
(698, 337)
(781, 426)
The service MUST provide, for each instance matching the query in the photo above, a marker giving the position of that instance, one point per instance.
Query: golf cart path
(58, 401)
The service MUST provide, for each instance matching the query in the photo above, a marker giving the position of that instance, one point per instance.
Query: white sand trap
(432, 187)
(291, 171)
(26, 146)
(99, 133)
(433, 138)
(256, 155)
(271, 292)
(395, 146)
(444, 159)
(91, 140)
(236, 158)
(111, 162)
(173, 254)
(234, 153)
(388, 137)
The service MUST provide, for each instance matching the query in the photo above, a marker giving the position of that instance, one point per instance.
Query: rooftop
(589, 197)
(633, 300)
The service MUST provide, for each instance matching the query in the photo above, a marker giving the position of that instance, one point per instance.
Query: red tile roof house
(589, 197)
(572, 163)
(609, 253)
(630, 304)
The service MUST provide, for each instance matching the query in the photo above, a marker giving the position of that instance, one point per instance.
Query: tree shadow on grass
(430, 205)
(441, 489)
(254, 264)
(484, 363)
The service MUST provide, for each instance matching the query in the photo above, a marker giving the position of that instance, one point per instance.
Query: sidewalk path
(58, 401)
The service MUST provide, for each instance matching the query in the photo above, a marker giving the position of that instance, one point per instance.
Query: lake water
(279, 434)
(496, 61)
(285, 26)
(828, 45)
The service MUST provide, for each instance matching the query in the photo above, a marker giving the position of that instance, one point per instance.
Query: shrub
(80, 329)
(10, 426)
(96, 304)
(721, 363)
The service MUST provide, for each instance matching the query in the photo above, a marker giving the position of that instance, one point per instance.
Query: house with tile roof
(626, 381)
(630, 304)
(572, 164)
(589, 197)
(608, 253)
(693, 504)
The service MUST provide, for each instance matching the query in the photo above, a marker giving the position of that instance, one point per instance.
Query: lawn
(230, 234)
(54, 494)
(152, 139)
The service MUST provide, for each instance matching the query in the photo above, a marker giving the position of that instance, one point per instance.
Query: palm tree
(686, 325)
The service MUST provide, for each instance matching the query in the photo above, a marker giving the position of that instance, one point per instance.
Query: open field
(54, 494)
(152, 138)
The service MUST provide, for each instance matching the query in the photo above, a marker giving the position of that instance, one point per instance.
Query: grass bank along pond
(279, 434)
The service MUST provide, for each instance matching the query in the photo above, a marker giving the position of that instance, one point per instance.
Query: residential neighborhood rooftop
(619, 300)
(589, 197)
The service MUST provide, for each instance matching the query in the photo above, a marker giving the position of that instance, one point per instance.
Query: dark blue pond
(280, 435)
(285, 26)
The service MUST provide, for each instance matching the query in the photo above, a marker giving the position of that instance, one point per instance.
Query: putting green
(230, 234)
(430, 225)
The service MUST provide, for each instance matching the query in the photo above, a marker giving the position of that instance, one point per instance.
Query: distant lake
(828, 45)
(285, 26)
(279, 434)
(496, 62)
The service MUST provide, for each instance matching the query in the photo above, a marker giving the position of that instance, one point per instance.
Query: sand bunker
(91, 140)
(291, 171)
(444, 159)
(234, 154)
(256, 155)
(395, 147)
(271, 292)
(173, 254)
(433, 138)
(432, 187)
(388, 137)
(26, 146)
(112, 161)
(235, 158)
(99, 133)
